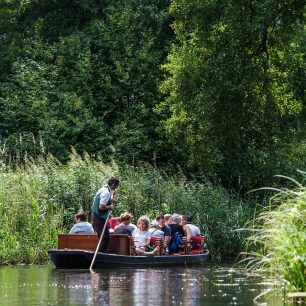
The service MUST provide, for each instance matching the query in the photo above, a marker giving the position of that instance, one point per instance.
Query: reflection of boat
(77, 251)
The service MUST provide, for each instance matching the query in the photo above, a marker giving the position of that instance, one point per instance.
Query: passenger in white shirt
(195, 231)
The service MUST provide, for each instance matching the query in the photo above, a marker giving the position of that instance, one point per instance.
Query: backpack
(176, 241)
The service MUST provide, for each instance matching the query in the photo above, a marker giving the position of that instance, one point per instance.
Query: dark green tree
(235, 88)
(83, 74)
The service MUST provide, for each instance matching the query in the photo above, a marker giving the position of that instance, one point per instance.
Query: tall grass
(40, 198)
(278, 240)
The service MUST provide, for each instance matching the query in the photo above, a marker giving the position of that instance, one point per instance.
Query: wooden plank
(119, 243)
(77, 241)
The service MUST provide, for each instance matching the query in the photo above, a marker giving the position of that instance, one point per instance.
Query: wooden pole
(100, 240)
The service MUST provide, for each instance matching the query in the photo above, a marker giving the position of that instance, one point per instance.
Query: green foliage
(235, 87)
(86, 73)
(278, 240)
(217, 212)
(41, 198)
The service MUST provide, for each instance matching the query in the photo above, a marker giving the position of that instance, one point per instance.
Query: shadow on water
(44, 285)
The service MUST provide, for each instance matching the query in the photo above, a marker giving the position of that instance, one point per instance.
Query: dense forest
(191, 103)
(212, 87)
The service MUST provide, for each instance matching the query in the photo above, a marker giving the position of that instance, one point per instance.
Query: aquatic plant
(278, 240)
(41, 197)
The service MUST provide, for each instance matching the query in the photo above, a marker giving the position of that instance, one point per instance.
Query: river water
(209, 286)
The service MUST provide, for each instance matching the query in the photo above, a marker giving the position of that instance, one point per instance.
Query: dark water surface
(209, 286)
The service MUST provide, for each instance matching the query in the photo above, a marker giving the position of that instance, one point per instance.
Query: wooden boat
(77, 251)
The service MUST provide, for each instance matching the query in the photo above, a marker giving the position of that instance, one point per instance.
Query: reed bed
(40, 198)
(278, 240)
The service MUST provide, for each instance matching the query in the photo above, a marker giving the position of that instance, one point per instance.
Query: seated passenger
(195, 231)
(186, 229)
(113, 222)
(124, 226)
(183, 221)
(142, 237)
(177, 232)
(175, 225)
(81, 226)
(168, 219)
(165, 228)
(156, 231)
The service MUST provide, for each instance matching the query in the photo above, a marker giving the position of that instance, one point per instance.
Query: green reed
(40, 198)
(278, 240)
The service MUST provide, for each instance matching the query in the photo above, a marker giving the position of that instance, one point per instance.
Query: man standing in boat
(104, 201)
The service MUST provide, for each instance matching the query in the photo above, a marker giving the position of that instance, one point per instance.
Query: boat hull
(81, 259)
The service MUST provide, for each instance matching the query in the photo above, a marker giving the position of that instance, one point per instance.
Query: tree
(235, 87)
(83, 74)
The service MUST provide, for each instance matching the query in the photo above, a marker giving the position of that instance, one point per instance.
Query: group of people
(165, 226)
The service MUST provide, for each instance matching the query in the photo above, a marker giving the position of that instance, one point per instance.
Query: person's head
(143, 223)
(183, 220)
(113, 183)
(168, 218)
(189, 219)
(176, 218)
(81, 217)
(126, 218)
(155, 224)
(160, 220)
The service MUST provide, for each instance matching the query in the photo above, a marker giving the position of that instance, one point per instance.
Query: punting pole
(100, 240)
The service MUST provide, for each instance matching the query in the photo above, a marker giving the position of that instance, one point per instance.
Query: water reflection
(44, 285)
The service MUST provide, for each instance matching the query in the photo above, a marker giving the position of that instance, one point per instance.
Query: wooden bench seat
(196, 247)
(158, 242)
(119, 243)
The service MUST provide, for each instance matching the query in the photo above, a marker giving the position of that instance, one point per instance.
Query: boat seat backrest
(132, 248)
(158, 242)
(197, 241)
(119, 243)
(197, 244)
(77, 241)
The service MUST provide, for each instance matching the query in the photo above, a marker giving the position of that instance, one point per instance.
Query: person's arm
(114, 196)
(147, 242)
(188, 233)
(167, 240)
(104, 199)
(167, 232)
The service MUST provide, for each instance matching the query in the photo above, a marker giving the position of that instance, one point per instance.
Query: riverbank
(40, 199)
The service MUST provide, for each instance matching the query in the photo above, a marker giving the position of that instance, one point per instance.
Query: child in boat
(113, 222)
